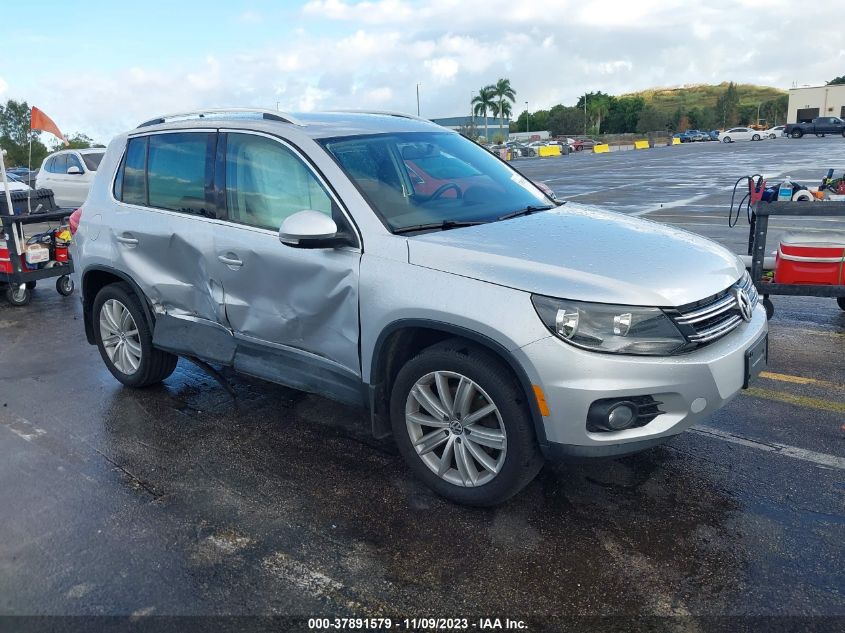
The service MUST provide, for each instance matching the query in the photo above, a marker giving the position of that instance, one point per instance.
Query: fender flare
(88, 302)
(484, 341)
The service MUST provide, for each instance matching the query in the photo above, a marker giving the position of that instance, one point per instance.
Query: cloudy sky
(99, 68)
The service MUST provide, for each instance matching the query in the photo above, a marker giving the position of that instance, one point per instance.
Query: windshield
(421, 178)
(92, 161)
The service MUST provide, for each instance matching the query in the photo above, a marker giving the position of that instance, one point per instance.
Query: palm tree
(504, 93)
(502, 109)
(599, 108)
(483, 103)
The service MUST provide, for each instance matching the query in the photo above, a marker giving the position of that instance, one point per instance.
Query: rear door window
(179, 172)
(134, 188)
(73, 161)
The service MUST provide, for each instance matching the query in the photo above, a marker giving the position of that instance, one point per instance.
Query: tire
(770, 307)
(150, 365)
(18, 296)
(727, 139)
(820, 135)
(509, 445)
(31, 284)
(756, 137)
(841, 302)
(796, 134)
(772, 136)
(64, 285)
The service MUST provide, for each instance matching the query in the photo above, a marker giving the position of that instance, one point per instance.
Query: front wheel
(462, 423)
(727, 139)
(841, 302)
(18, 295)
(796, 134)
(125, 340)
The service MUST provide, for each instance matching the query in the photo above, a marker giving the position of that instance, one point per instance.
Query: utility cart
(833, 261)
(46, 256)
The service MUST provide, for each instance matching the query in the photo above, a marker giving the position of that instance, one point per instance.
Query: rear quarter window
(92, 161)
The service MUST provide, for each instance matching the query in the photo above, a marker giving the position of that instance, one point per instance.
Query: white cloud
(250, 17)
(342, 54)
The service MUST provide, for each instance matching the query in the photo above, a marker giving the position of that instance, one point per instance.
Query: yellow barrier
(601, 149)
(640, 144)
(548, 150)
(676, 140)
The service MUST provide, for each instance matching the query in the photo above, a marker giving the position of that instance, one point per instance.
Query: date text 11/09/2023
(416, 624)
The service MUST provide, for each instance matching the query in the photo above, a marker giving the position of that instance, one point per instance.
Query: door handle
(230, 260)
(129, 241)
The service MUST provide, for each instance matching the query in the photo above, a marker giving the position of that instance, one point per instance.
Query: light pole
(418, 99)
(527, 117)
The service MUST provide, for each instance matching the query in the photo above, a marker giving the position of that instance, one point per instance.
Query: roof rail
(403, 115)
(268, 115)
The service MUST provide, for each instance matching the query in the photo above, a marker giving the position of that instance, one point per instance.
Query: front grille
(706, 321)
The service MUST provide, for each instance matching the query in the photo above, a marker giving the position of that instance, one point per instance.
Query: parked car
(581, 144)
(774, 132)
(15, 183)
(691, 136)
(741, 134)
(714, 135)
(69, 174)
(819, 126)
(521, 150)
(484, 330)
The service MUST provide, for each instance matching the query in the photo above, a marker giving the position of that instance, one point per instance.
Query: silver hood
(582, 253)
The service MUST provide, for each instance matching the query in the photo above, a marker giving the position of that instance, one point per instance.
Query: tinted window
(134, 182)
(92, 161)
(73, 161)
(266, 183)
(58, 164)
(179, 172)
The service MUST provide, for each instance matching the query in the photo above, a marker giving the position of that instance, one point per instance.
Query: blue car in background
(690, 136)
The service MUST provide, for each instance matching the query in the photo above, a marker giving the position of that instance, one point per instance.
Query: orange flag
(40, 121)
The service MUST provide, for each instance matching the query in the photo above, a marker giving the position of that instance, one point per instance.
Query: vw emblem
(743, 302)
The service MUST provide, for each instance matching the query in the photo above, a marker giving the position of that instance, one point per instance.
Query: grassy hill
(668, 100)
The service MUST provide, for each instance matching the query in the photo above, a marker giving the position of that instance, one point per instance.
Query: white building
(805, 104)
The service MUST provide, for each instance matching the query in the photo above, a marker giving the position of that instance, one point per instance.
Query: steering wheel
(444, 188)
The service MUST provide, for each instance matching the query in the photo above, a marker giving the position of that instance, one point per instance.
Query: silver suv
(381, 260)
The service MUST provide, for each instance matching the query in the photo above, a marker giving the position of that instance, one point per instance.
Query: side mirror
(311, 229)
(74, 170)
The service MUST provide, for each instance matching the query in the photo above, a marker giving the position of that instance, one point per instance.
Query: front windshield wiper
(445, 225)
(525, 211)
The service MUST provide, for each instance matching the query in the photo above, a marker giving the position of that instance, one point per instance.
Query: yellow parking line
(800, 380)
(807, 402)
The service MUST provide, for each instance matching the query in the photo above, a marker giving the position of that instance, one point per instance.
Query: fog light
(621, 416)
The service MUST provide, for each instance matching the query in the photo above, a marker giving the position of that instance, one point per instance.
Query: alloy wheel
(120, 337)
(456, 428)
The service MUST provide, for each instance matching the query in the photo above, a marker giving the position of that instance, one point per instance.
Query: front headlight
(603, 327)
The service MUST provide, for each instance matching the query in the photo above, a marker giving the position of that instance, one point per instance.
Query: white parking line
(820, 459)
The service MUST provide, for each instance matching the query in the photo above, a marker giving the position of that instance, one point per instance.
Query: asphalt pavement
(180, 500)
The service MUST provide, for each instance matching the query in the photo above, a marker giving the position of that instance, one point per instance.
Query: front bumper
(690, 386)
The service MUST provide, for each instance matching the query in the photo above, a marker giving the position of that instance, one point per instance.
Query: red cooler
(811, 258)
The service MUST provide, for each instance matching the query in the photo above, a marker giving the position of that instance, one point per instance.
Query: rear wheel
(64, 285)
(462, 423)
(756, 137)
(125, 340)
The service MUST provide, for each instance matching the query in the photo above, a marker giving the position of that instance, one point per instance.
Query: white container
(37, 254)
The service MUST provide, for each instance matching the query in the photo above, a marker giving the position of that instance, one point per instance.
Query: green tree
(505, 95)
(623, 115)
(651, 120)
(727, 107)
(598, 109)
(482, 105)
(15, 134)
(502, 110)
(565, 121)
(836, 81)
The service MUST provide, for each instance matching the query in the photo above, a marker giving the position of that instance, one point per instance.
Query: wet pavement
(181, 500)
